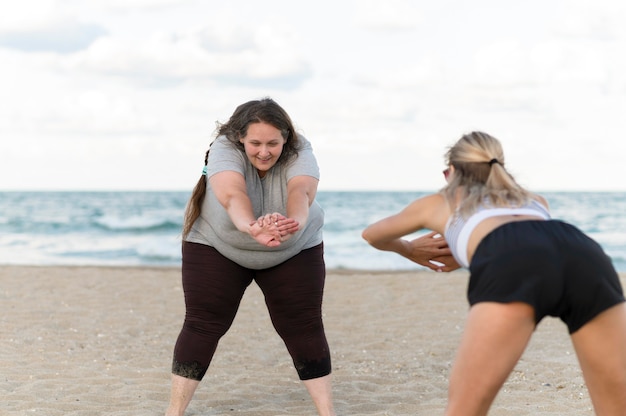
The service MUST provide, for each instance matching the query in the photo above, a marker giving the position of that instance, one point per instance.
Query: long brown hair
(264, 110)
(194, 205)
(480, 175)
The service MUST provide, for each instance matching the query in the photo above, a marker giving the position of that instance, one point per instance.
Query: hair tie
(492, 161)
(204, 171)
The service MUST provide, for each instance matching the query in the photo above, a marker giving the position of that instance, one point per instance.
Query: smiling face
(263, 145)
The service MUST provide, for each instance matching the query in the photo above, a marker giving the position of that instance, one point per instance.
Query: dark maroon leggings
(214, 286)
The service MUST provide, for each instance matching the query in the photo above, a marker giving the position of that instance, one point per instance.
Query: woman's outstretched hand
(273, 229)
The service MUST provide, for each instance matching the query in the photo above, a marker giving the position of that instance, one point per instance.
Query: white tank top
(459, 229)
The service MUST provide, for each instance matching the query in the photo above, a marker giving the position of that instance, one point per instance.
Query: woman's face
(263, 144)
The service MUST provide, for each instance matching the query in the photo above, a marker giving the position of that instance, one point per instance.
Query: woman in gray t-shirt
(253, 216)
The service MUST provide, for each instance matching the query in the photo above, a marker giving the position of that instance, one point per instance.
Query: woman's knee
(311, 369)
(297, 323)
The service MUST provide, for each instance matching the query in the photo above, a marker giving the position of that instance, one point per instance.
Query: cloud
(27, 15)
(379, 87)
(264, 55)
(60, 37)
(386, 15)
(127, 5)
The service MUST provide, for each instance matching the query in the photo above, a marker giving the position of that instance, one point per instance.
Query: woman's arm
(430, 212)
(301, 191)
(229, 188)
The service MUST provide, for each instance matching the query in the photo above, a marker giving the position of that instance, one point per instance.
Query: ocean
(143, 228)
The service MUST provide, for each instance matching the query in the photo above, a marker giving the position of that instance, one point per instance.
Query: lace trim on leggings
(193, 370)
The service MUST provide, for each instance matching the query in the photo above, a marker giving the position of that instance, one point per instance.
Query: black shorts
(551, 265)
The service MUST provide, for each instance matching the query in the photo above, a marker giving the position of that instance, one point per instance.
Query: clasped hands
(432, 251)
(273, 229)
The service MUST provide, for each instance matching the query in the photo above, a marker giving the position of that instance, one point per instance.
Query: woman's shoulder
(224, 155)
(540, 199)
(222, 145)
(222, 141)
(432, 203)
(303, 143)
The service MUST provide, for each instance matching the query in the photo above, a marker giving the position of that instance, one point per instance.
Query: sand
(98, 341)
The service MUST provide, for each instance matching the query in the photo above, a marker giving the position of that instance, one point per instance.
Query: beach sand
(98, 341)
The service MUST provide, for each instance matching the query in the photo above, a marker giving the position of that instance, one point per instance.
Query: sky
(125, 94)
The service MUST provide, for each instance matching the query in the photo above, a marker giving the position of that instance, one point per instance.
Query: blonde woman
(523, 266)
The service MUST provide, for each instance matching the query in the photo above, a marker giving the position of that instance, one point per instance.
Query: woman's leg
(293, 294)
(320, 390)
(182, 391)
(601, 349)
(213, 287)
(494, 339)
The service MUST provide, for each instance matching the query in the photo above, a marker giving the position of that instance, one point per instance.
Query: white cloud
(386, 15)
(137, 4)
(422, 72)
(381, 88)
(265, 55)
(27, 15)
(60, 36)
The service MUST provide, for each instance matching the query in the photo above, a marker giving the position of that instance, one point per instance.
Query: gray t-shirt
(268, 194)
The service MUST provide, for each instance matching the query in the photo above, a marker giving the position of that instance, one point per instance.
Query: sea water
(144, 228)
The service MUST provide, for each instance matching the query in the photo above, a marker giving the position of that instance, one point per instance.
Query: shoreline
(90, 340)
